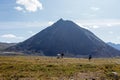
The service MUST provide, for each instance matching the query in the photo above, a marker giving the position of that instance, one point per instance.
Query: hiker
(62, 55)
(90, 57)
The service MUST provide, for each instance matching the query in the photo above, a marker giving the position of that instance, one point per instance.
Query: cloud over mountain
(94, 8)
(11, 36)
(28, 5)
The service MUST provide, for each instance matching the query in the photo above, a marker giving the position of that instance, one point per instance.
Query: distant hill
(66, 37)
(6, 45)
(117, 46)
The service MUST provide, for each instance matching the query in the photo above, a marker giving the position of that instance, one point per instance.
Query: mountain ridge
(65, 36)
(116, 46)
(4, 45)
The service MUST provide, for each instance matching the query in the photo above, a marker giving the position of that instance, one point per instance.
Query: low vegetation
(51, 68)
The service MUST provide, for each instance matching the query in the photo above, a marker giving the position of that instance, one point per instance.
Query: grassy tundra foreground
(50, 68)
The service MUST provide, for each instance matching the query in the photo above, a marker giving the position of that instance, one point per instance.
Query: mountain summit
(66, 37)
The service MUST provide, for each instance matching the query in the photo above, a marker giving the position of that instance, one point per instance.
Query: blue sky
(21, 19)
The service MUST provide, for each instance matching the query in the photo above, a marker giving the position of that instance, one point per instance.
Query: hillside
(66, 37)
(116, 46)
(6, 45)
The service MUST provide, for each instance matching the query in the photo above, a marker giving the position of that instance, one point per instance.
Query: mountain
(116, 46)
(66, 37)
(5, 45)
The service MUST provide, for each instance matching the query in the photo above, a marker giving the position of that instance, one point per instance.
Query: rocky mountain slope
(66, 37)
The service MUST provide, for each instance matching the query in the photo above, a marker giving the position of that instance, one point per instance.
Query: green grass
(50, 68)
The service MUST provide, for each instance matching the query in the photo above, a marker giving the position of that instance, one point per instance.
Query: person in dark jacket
(90, 57)
(62, 55)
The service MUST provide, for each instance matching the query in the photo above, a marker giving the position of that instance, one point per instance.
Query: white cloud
(99, 23)
(89, 15)
(50, 22)
(10, 36)
(19, 8)
(29, 5)
(109, 25)
(111, 32)
(31, 32)
(94, 8)
(86, 27)
(118, 37)
(95, 26)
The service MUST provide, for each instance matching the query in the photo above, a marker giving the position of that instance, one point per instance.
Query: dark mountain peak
(61, 19)
(64, 21)
(61, 23)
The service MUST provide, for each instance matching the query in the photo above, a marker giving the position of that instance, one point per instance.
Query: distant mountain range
(66, 37)
(5, 45)
(117, 46)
